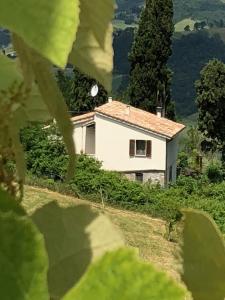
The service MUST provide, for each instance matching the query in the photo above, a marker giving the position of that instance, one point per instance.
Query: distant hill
(4, 38)
(191, 51)
(196, 9)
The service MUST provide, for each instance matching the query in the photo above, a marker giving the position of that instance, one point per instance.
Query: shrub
(47, 162)
(214, 173)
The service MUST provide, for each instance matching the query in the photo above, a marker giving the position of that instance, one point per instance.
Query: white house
(137, 143)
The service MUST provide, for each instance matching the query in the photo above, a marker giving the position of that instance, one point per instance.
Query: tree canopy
(211, 103)
(76, 90)
(149, 75)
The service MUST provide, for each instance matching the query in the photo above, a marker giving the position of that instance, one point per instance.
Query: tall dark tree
(76, 90)
(150, 77)
(211, 103)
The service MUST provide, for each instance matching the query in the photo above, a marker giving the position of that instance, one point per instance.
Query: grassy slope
(179, 27)
(140, 231)
(120, 24)
(220, 31)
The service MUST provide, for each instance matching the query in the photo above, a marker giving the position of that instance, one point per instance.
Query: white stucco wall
(79, 138)
(112, 147)
(172, 151)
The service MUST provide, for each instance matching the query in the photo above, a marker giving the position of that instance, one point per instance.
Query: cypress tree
(150, 77)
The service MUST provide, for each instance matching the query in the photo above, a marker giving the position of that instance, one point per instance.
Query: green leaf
(33, 107)
(19, 155)
(55, 102)
(120, 275)
(8, 204)
(92, 51)
(203, 254)
(23, 260)
(74, 237)
(49, 27)
(8, 73)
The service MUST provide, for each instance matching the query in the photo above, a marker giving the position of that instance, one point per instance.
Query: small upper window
(141, 147)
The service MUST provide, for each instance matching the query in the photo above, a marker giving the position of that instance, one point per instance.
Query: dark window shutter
(149, 149)
(132, 148)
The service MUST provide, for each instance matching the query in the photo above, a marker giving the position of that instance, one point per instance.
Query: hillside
(191, 51)
(139, 231)
(196, 9)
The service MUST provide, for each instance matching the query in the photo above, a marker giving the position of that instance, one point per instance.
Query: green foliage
(8, 204)
(74, 238)
(190, 53)
(76, 90)
(52, 23)
(210, 99)
(92, 53)
(214, 173)
(23, 258)
(210, 10)
(45, 151)
(122, 43)
(203, 257)
(149, 76)
(93, 183)
(46, 159)
(120, 275)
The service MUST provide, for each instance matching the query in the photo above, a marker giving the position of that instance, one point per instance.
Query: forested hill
(196, 9)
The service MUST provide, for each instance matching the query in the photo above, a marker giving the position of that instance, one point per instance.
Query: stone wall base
(148, 176)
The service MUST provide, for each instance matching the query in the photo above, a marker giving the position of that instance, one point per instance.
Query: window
(139, 177)
(140, 148)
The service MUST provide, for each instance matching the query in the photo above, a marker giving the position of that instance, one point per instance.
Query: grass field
(179, 27)
(120, 24)
(139, 231)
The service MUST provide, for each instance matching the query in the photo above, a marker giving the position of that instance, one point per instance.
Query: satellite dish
(94, 90)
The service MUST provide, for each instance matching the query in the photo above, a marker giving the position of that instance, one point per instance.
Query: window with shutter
(149, 149)
(132, 148)
(140, 148)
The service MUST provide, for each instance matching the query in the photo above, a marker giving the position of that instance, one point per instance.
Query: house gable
(113, 146)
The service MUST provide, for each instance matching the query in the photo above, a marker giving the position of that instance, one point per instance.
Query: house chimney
(110, 99)
(159, 111)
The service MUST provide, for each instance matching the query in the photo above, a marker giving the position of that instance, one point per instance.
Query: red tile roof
(134, 116)
(83, 118)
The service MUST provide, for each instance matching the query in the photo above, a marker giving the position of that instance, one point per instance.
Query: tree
(197, 26)
(150, 77)
(187, 28)
(211, 103)
(76, 90)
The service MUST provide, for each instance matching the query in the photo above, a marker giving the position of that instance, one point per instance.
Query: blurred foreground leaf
(203, 254)
(74, 237)
(23, 260)
(120, 275)
(47, 26)
(92, 51)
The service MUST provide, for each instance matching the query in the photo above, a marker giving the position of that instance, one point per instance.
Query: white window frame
(141, 155)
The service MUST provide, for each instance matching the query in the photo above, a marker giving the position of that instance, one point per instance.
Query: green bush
(95, 184)
(47, 162)
(214, 173)
(45, 151)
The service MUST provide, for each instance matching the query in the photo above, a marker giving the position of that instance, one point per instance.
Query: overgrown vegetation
(93, 183)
